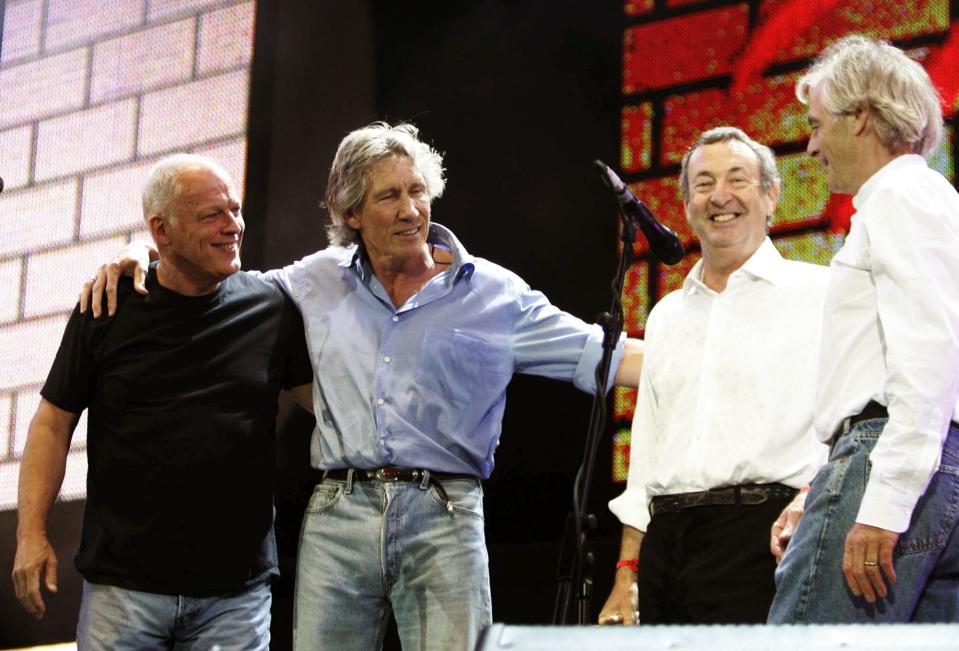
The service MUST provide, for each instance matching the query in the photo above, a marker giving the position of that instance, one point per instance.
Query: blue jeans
(810, 584)
(117, 619)
(368, 548)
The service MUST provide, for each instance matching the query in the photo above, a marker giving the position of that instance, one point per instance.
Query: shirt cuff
(585, 376)
(886, 507)
(631, 509)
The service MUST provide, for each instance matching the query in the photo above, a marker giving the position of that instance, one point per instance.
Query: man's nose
(721, 193)
(233, 223)
(408, 208)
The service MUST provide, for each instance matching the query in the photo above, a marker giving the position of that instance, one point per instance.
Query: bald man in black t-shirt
(181, 387)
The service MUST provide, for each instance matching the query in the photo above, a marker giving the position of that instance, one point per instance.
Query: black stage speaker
(859, 637)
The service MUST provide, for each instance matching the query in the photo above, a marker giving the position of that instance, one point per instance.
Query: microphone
(663, 242)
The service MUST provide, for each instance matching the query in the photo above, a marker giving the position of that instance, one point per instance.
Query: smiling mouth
(230, 247)
(408, 232)
(723, 217)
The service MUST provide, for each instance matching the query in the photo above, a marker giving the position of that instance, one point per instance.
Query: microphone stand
(576, 560)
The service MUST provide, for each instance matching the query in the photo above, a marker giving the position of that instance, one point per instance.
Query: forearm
(627, 375)
(41, 473)
(629, 546)
(621, 605)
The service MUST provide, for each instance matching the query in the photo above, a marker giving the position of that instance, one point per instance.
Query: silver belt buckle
(382, 475)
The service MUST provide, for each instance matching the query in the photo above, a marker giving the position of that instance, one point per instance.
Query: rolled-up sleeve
(550, 342)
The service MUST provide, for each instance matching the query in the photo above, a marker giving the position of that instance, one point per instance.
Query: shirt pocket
(462, 367)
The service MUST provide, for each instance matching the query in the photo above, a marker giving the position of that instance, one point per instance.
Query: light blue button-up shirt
(424, 385)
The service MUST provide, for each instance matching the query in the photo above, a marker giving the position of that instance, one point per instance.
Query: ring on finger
(870, 563)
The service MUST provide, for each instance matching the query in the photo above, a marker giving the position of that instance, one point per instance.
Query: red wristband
(631, 563)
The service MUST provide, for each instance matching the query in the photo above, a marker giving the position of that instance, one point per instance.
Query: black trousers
(708, 565)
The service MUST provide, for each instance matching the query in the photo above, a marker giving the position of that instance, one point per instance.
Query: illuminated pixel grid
(690, 65)
(92, 93)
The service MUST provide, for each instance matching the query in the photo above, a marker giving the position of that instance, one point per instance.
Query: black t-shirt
(181, 392)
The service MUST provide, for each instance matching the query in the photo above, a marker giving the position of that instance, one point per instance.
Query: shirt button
(380, 401)
(387, 359)
(396, 318)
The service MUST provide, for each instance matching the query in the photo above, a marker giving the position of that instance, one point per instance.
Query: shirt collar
(462, 265)
(876, 181)
(764, 264)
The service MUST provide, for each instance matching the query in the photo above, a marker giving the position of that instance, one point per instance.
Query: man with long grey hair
(413, 342)
(878, 540)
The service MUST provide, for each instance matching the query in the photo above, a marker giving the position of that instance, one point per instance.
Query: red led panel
(791, 30)
(621, 447)
(637, 137)
(663, 53)
(635, 299)
(817, 247)
(767, 109)
(803, 194)
(637, 7)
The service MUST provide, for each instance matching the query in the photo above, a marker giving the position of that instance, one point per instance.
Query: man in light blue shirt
(413, 342)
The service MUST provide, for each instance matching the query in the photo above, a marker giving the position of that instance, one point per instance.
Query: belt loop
(349, 482)
(426, 480)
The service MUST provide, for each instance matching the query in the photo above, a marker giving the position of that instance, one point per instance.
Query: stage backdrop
(690, 66)
(93, 91)
(91, 95)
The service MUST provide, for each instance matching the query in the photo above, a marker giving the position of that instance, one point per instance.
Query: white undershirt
(891, 331)
(728, 384)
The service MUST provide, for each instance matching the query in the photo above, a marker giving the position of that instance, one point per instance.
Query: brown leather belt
(747, 494)
(391, 474)
(874, 410)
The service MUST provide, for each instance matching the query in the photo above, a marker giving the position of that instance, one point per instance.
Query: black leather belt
(391, 474)
(874, 410)
(747, 494)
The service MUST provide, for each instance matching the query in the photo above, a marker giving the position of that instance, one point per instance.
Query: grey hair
(163, 185)
(857, 72)
(358, 152)
(768, 173)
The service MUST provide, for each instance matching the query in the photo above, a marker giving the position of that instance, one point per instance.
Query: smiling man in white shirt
(722, 436)
(878, 542)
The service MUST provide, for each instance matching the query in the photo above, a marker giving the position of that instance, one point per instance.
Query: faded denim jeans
(368, 548)
(117, 619)
(810, 585)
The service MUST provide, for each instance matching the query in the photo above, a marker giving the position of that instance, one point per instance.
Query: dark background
(521, 97)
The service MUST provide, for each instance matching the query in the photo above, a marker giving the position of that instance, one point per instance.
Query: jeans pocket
(324, 497)
(935, 515)
(463, 497)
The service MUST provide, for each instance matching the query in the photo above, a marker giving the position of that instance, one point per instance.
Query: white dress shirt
(728, 384)
(891, 331)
